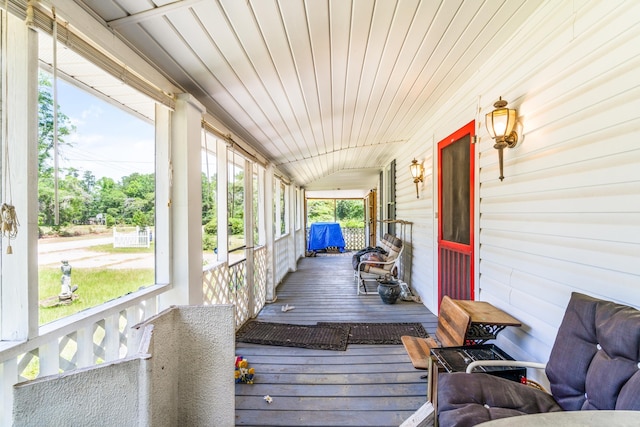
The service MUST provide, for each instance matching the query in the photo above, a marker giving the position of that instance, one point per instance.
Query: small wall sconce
(417, 173)
(500, 124)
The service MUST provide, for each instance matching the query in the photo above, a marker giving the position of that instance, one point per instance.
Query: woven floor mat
(380, 333)
(327, 337)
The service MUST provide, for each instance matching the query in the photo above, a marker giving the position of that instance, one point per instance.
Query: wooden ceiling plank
(295, 25)
(305, 81)
(388, 63)
(398, 87)
(379, 34)
(361, 16)
(233, 72)
(473, 46)
(320, 36)
(426, 61)
(276, 39)
(340, 33)
(284, 119)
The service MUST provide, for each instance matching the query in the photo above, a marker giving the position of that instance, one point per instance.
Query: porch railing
(103, 334)
(91, 337)
(226, 284)
(354, 238)
(281, 255)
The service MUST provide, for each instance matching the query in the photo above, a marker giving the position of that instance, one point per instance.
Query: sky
(108, 141)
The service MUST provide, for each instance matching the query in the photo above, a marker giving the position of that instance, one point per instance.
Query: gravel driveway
(51, 252)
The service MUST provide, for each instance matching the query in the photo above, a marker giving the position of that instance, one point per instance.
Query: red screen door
(456, 175)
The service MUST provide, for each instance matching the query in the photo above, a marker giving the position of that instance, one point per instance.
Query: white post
(186, 204)
(278, 208)
(268, 209)
(248, 235)
(19, 271)
(84, 340)
(9, 374)
(262, 203)
(221, 198)
(289, 200)
(164, 176)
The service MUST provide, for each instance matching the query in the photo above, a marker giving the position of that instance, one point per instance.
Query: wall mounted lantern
(417, 173)
(500, 124)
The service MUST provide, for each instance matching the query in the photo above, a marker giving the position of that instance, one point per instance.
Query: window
(235, 206)
(209, 199)
(391, 197)
(258, 212)
(96, 186)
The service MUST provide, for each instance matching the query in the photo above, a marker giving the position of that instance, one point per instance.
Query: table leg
(432, 388)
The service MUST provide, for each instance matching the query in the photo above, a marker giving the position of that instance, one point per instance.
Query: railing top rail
(215, 265)
(67, 325)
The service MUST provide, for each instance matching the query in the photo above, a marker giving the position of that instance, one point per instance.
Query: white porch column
(262, 203)
(19, 271)
(290, 201)
(249, 222)
(164, 177)
(277, 193)
(222, 156)
(268, 213)
(186, 204)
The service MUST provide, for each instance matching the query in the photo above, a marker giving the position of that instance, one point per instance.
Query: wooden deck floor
(366, 385)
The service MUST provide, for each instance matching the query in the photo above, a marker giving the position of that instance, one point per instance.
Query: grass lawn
(95, 286)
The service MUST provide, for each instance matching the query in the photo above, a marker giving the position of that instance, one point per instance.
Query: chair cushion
(470, 399)
(372, 256)
(594, 363)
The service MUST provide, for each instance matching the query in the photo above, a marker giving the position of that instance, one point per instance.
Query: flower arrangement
(243, 373)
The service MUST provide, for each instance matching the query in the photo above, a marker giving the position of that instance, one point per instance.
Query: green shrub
(209, 242)
(211, 227)
(352, 223)
(236, 226)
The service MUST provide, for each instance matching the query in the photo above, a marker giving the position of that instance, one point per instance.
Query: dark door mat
(327, 337)
(380, 333)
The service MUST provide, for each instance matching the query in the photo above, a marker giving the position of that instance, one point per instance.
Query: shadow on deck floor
(366, 385)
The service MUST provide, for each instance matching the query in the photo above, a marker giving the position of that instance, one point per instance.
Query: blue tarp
(325, 234)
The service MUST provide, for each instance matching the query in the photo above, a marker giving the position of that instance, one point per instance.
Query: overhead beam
(151, 13)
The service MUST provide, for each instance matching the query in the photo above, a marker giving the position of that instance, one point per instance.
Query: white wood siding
(566, 217)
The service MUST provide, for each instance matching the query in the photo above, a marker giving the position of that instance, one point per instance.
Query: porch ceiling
(327, 90)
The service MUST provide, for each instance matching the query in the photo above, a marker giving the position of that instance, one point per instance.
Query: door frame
(468, 129)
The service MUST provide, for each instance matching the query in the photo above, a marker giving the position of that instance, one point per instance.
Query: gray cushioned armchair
(594, 364)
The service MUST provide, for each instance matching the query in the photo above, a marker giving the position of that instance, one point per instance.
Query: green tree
(236, 204)
(110, 198)
(80, 195)
(349, 210)
(74, 201)
(209, 205)
(45, 125)
(320, 211)
(140, 192)
(138, 185)
(88, 181)
(46, 182)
